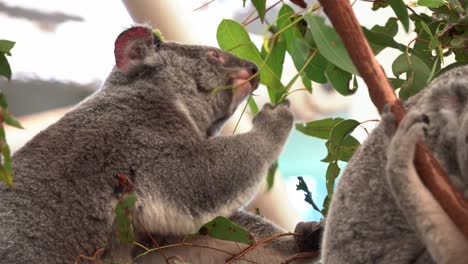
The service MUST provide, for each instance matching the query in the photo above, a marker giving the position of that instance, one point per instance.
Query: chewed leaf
(302, 186)
(417, 74)
(222, 228)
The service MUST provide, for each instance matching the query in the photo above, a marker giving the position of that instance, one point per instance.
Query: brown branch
(342, 17)
(256, 244)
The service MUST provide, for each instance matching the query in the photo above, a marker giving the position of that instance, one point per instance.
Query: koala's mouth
(243, 84)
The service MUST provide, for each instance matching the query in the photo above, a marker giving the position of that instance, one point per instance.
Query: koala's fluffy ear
(132, 47)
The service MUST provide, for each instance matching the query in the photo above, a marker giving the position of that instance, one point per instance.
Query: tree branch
(345, 23)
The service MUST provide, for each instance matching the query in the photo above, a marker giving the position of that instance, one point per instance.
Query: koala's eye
(216, 54)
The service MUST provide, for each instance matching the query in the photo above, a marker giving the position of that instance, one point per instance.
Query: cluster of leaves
(5, 115)
(319, 56)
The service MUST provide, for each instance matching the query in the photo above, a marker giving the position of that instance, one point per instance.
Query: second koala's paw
(275, 117)
(310, 235)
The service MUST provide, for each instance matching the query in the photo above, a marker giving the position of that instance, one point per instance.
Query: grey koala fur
(153, 120)
(381, 212)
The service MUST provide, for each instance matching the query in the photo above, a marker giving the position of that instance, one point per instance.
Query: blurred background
(64, 51)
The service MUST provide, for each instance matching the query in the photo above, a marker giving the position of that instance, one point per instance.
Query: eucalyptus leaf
(417, 74)
(347, 148)
(319, 128)
(5, 69)
(222, 228)
(260, 6)
(232, 37)
(329, 43)
(333, 171)
(6, 46)
(399, 7)
(339, 79)
(10, 120)
(431, 3)
(339, 132)
(298, 48)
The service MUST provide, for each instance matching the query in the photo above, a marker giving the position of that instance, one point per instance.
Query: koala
(154, 120)
(381, 212)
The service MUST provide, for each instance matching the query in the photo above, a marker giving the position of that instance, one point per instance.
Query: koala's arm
(218, 175)
(443, 240)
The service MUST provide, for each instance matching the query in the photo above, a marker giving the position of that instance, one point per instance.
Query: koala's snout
(253, 70)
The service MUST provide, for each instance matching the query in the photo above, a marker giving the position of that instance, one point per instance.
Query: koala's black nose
(252, 68)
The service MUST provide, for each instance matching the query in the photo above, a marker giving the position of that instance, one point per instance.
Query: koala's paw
(310, 236)
(277, 118)
(412, 128)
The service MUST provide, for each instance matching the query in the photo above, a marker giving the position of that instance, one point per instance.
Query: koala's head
(204, 83)
(446, 104)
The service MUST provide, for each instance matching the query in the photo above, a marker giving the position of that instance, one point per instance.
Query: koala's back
(364, 208)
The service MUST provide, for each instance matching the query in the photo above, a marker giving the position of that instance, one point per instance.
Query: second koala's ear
(132, 47)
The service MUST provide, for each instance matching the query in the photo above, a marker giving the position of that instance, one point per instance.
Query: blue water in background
(301, 157)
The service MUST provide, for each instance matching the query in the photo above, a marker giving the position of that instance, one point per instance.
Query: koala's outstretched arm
(445, 243)
(215, 176)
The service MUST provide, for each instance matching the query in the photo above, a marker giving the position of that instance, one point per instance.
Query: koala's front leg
(436, 231)
(213, 177)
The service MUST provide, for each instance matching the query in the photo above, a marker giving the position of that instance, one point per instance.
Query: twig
(202, 6)
(153, 240)
(266, 10)
(256, 244)
(302, 255)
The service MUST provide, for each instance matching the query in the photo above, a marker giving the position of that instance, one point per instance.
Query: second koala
(154, 120)
(381, 211)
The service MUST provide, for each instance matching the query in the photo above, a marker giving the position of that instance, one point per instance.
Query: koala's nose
(252, 68)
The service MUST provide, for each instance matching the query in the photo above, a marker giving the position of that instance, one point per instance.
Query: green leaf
(271, 175)
(348, 146)
(396, 83)
(382, 37)
(431, 3)
(339, 79)
(5, 168)
(222, 228)
(399, 8)
(326, 205)
(332, 173)
(123, 220)
(302, 186)
(10, 120)
(5, 69)
(253, 105)
(339, 133)
(319, 128)
(299, 49)
(417, 74)
(6, 46)
(3, 101)
(329, 43)
(275, 57)
(232, 37)
(260, 6)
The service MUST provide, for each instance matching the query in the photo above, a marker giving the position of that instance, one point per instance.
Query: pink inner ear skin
(127, 37)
